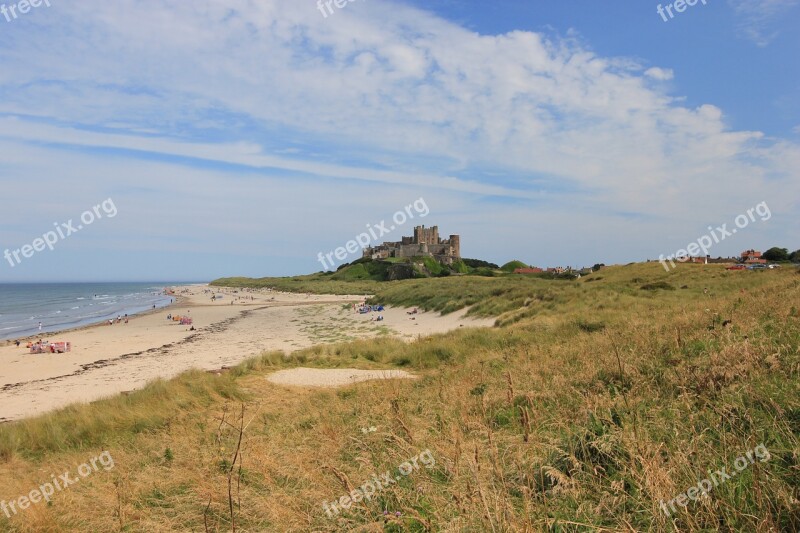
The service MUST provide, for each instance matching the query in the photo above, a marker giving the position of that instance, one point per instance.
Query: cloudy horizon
(244, 138)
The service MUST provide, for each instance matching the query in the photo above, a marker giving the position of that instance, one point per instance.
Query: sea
(60, 306)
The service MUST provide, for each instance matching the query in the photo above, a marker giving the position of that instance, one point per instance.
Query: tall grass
(592, 403)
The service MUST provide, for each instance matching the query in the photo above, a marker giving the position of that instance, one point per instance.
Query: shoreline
(110, 360)
(43, 334)
(101, 323)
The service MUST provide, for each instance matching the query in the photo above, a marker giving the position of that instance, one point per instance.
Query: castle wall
(425, 242)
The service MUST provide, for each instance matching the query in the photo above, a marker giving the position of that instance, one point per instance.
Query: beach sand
(107, 360)
(332, 377)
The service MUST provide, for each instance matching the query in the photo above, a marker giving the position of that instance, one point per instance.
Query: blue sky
(244, 137)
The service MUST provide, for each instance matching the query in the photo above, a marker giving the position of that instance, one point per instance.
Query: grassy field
(590, 403)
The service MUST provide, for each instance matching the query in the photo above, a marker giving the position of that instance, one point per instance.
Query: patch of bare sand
(332, 377)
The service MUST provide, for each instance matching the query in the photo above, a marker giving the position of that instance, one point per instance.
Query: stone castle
(424, 243)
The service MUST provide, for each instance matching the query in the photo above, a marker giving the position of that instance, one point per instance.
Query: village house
(752, 257)
(531, 270)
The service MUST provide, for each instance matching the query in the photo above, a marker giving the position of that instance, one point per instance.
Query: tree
(795, 256)
(776, 254)
(477, 263)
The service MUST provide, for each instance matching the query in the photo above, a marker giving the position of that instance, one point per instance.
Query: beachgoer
(17, 343)
(40, 326)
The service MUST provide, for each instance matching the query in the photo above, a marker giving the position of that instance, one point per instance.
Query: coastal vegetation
(591, 402)
(367, 270)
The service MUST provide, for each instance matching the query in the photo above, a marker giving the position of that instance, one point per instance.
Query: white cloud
(384, 95)
(660, 74)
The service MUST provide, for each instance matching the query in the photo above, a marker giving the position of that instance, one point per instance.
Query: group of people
(41, 346)
(183, 320)
(30, 344)
(119, 319)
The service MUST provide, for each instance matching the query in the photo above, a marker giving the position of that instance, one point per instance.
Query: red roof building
(527, 270)
(752, 257)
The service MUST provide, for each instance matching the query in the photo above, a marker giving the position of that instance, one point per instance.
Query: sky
(160, 140)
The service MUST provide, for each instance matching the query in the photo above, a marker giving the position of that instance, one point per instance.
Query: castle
(425, 242)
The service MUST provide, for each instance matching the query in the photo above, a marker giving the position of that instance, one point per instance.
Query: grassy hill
(355, 277)
(513, 265)
(593, 401)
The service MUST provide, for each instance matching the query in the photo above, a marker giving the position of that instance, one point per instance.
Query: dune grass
(594, 401)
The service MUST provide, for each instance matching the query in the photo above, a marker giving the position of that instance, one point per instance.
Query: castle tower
(426, 236)
(455, 245)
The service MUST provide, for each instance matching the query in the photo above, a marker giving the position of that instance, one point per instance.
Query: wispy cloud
(523, 129)
(757, 18)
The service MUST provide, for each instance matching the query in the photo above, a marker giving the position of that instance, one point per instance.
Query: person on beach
(17, 343)
(40, 326)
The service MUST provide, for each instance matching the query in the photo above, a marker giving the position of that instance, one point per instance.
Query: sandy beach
(111, 359)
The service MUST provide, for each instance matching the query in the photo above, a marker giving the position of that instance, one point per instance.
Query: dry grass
(582, 412)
